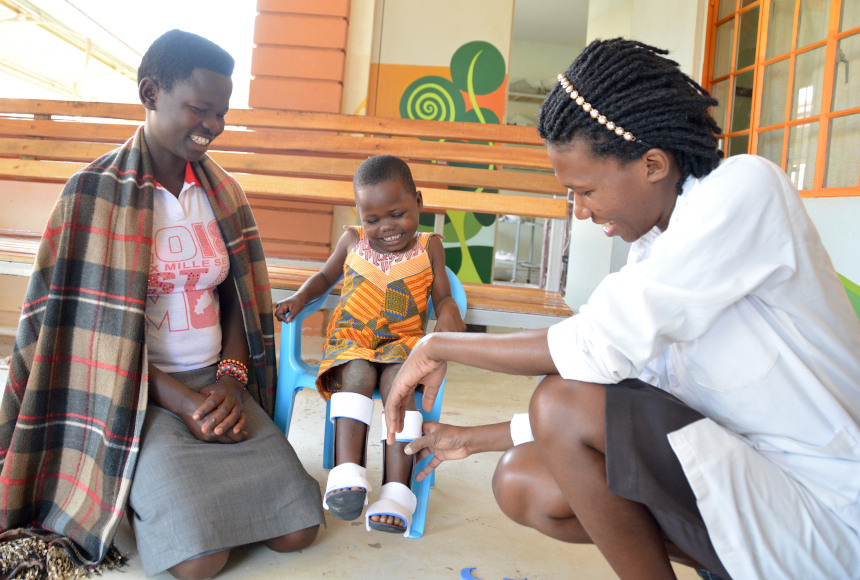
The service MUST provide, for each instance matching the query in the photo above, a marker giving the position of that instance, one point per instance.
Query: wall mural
(477, 71)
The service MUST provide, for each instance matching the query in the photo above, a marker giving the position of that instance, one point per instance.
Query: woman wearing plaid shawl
(104, 408)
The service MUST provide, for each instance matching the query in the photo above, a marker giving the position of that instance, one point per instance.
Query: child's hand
(448, 318)
(294, 304)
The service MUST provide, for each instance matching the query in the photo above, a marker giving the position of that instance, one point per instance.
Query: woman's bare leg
(398, 465)
(295, 541)
(527, 493)
(568, 423)
(201, 568)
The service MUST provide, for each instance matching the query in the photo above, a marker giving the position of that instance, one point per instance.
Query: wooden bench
(489, 304)
(311, 157)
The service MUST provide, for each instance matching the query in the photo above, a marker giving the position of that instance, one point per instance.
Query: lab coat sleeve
(732, 236)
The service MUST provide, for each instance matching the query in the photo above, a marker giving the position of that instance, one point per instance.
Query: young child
(390, 271)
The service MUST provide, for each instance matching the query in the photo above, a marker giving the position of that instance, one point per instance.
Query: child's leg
(398, 465)
(352, 409)
(350, 436)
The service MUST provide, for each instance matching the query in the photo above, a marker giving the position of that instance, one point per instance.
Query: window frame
(824, 117)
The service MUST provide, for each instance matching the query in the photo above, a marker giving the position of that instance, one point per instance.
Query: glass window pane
(721, 145)
(808, 79)
(846, 82)
(726, 8)
(779, 27)
(742, 101)
(802, 146)
(720, 91)
(850, 15)
(770, 145)
(747, 37)
(812, 25)
(739, 144)
(745, 3)
(774, 93)
(843, 152)
(723, 51)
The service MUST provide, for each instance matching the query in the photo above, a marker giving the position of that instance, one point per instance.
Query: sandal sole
(346, 505)
(387, 528)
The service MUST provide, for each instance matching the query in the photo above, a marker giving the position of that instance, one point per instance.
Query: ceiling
(551, 21)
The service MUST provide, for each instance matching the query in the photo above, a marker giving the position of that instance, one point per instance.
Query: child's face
(389, 214)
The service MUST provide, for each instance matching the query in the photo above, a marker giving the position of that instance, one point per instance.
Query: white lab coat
(736, 310)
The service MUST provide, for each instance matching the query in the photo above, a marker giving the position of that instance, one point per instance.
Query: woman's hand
(419, 368)
(294, 304)
(447, 442)
(221, 411)
(196, 400)
(444, 442)
(448, 318)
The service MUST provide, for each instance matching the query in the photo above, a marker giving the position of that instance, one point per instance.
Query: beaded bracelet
(234, 369)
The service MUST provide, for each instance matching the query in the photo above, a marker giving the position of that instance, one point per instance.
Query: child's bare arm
(447, 314)
(319, 283)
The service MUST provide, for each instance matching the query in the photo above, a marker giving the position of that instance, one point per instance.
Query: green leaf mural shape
(432, 98)
(478, 68)
(853, 291)
(467, 269)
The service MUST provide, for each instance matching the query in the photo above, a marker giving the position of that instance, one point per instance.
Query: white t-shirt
(183, 327)
(736, 310)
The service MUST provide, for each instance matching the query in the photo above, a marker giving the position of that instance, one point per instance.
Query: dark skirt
(642, 467)
(192, 498)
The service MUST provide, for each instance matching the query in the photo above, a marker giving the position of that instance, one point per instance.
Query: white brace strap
(346, 476)
(395, 499)
(351, 406)
(521, 429)
(413, 425)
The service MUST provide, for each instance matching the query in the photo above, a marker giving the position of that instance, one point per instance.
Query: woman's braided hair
(632, 85)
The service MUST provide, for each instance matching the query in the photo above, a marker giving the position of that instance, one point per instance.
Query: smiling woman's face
(627, 199)
(185, 120)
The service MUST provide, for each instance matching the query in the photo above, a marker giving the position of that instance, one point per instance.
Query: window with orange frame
(787, 76)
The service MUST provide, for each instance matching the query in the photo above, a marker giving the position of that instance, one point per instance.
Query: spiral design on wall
(432, 99)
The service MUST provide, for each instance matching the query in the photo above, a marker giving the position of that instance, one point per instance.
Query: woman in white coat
(704, 406)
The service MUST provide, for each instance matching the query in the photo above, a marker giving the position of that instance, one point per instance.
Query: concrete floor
(465, 528)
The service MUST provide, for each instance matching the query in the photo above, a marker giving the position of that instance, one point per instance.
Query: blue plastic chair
(294, 374)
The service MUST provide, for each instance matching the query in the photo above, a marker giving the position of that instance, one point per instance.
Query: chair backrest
(457, 293)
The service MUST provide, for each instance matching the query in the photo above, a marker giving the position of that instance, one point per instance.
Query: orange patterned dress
(383, 307)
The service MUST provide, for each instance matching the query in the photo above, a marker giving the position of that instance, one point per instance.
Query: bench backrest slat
(319, 190)
(294, 120)
(329, 167)
(275, 140)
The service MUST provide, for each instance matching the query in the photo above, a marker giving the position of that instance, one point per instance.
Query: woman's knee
(201, 568)
(512, 484)
(567, 409)
(294, 541)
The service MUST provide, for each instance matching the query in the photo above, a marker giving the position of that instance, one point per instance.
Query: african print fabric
(76, 395)
(382, 312)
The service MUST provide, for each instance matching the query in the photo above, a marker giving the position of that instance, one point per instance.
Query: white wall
(837, 220)
(677, 25)
(538, 63)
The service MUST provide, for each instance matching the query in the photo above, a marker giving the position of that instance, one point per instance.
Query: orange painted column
(299, 55)
(298, 64)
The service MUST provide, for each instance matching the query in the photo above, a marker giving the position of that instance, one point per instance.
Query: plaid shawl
(76, 395)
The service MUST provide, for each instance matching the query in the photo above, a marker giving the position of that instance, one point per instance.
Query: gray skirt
(190, 497)
(641, 466)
